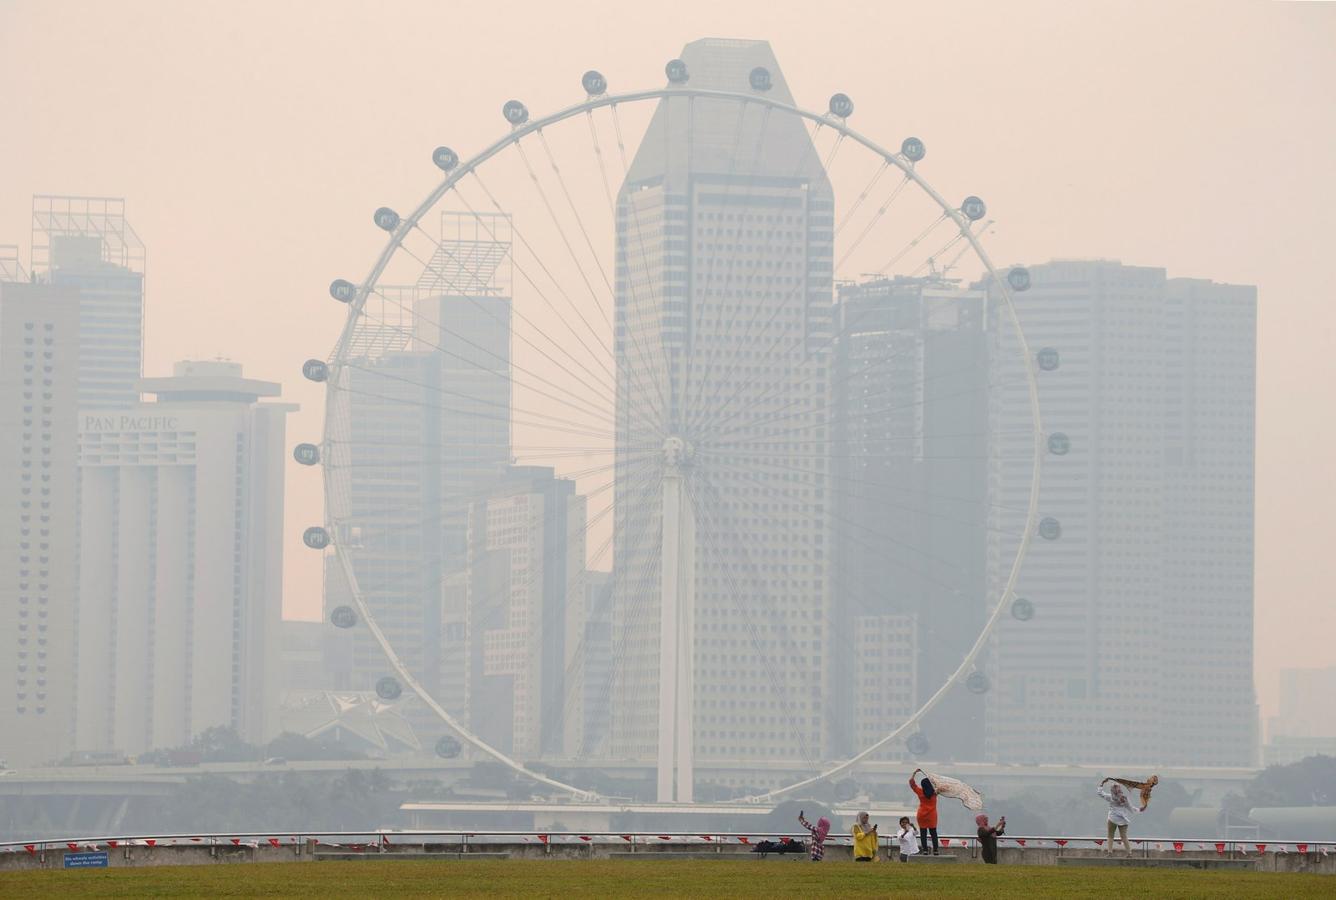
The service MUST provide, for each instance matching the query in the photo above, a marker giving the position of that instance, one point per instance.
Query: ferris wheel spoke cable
(407, 402)
(872, 223)
(509, 364)
(863, 195)
(661, 413)
(579, 220)
(913, 243)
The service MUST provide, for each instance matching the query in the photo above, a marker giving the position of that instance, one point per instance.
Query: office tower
(910, 437)
(181, 561)
(592, 665)
(1306, 723)
(526, 573)
(1141, 580)
(421, 428)
(39, 347)
(723, 305)
(882, 681)
(86, 243)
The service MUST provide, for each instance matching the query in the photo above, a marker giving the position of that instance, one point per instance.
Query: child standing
(927, 810)
(817, 846)
(907, 839)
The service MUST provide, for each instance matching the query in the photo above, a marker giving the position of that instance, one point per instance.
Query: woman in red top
(927, 810)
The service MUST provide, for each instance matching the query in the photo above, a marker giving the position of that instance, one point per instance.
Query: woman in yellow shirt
(865, 839)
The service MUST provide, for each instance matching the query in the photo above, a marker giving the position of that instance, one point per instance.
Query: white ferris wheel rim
(593, 102)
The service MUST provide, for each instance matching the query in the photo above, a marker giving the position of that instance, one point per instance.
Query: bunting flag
(74, 848)
(744, 840)
(585, 837)
(273, 842)
(1061, 842)
(1178, 846)
(1261, 848)
(236, 842)
(665, 837)
(1220, 848)
(1099, 842)
(542, 838)
(1303, 848)
(113, 844)
(1021, 841)
(31, 848)
(707, 838)
(627, 838)
(946, 842)
(151, 842)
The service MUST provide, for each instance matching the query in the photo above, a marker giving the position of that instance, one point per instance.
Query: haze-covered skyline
(251, 156)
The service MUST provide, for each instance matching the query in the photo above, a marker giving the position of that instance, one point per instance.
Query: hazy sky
(252, 140)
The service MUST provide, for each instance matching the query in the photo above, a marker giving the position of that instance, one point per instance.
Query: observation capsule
(841, 106)
(676, 70)
(1019, 279)
(973, 208)
(342, 290)
(388, 688)
(306, 454)
(315, 537)
(516, 113)
(1050, 529)
(444, 158)
(917, 744)
(1022, 609)
(315, 370)
(1048, 359)
(447, 747)
(912, 149)
(1059, 444)
(594, 83)
(760, 79)
(343, 617)
(977, 683)
(386, 219)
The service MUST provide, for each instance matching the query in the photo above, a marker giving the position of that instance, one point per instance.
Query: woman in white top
(907, 839)
(1120, 811)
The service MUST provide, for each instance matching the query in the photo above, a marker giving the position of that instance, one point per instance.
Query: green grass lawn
(650, 878)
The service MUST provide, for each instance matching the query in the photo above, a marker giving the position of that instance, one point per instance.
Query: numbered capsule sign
(973, 208)
(760, 79)
(676, 70)
(1019, 279)
(594, 83)
(912, 149)
(1022, 610)
(315, 370)
(444, 158)
(841, 106)
(386, 219)
(516, 113)
(917, 744)
(1048, 359)
(342, 291)
(447, 747)
(1050, 529)
(1059, 444)
(316, 538)
(977, 683)
(388, 688)
(343, 617)
(306, 454)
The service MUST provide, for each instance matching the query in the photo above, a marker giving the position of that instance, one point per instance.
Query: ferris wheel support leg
(676, 770)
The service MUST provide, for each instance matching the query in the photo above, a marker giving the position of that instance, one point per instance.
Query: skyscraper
(910, 437)
(181, 562)
(723, 305)
(86, 243)
(39, 358)
(1141, 576)
(526, 589)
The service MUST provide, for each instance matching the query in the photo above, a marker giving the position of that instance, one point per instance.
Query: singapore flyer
(661, 431)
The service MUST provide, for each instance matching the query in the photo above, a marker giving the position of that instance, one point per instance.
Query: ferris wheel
(613, 340)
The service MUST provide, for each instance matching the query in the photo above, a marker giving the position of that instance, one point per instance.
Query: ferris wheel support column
(676, 768)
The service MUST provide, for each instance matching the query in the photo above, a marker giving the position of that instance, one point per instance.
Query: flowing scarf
(1145, 787)
(957, 790)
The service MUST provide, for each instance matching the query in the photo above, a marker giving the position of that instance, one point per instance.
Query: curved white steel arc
(840, 125)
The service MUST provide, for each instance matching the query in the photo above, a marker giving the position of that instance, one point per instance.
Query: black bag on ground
(765, 847)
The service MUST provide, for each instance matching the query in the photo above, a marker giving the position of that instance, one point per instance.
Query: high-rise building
(526, 566)
(909, 489)
(87, 244)
(39, 358)
(181, 561)
(723, 318)
(1306, 721)
(1140, 579)
(421, 429)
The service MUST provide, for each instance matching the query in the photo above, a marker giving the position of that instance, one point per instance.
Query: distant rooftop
(208, 380)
